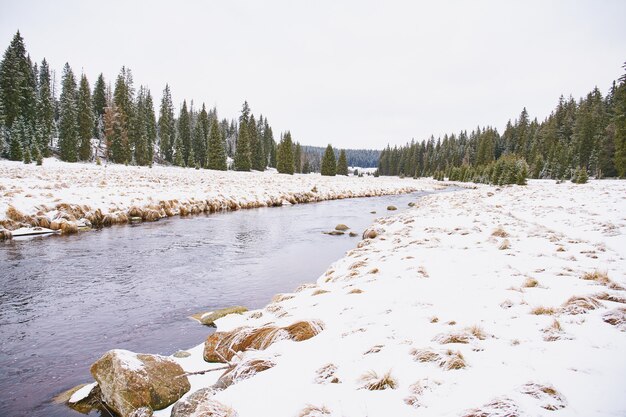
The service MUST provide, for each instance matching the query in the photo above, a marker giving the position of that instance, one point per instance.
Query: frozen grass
(530, 283)
(499, 407)
(580, 305)
(373, 382)
(326, 375)
(314, 411)
(602, 278)
(541, 310)
(499, 232)
(505, 245)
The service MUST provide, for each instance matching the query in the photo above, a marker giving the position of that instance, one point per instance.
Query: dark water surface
(65, 300)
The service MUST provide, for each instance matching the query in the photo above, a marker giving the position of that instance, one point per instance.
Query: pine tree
(45, 110)
(115, 134)
(184, 133)
(17, 84)
(342, 163)
(166, 130)
(201, 137)
(242, 160)
(99, 99)
(217, 147)
(123, 96)
(150, 126)
(27, 156)
(284, 157)
(85, 120)
(179, 159)
(329, 165)
(68, 117)
(38, 156)
(256, 141)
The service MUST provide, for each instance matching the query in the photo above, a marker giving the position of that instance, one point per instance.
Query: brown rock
(130, 381)
(201, 403)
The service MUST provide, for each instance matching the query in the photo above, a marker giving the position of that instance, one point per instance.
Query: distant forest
(581, 137)
(362, 158)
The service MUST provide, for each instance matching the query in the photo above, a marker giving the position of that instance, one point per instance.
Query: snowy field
(486, 302)
(114, 193)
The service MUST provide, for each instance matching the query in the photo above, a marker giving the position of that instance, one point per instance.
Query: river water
(66, 300)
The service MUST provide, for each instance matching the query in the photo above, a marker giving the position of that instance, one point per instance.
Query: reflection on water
(64, 301)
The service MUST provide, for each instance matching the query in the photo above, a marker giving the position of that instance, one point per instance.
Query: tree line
(578, 138)
(34, 123)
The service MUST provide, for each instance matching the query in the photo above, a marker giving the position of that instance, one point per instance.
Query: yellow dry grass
(373, 382)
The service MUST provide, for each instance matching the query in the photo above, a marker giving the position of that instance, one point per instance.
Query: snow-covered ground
(115, 189)
(445, 303)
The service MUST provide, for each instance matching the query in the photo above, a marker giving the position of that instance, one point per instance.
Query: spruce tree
(284, 158)
(342, 163)
(17, 84)
(150, 126)
(85, 120)
(201, 137)
(99, 99)
(184, 133)
(242, 158)
(45, 110)
(123, 97)
(115, 134)
(329, 165)
(166, 129)
(256, 141)
(217, 147)
(68, 117)
(179, 159)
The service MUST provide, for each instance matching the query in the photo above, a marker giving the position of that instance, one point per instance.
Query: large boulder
(130, 381)
(243, 370)
(222, 346)
(201, 403)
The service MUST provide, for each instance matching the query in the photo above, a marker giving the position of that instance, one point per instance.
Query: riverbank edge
(71, 218)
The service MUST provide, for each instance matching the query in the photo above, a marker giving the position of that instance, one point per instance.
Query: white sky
(356, 73)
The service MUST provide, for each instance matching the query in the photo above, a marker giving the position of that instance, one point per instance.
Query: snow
(115, 188)
(128, 359)
(82, 393)
(437, 270)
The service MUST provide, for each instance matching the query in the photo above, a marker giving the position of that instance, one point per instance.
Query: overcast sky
(357, 74)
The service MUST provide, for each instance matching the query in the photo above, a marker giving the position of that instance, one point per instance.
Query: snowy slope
(454, 283)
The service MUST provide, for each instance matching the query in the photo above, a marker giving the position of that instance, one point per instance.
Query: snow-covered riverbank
(486, 302)
(58, 192)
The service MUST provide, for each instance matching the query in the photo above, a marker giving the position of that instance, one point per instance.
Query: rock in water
(201, 403)
(341, 227)
(129, 381)
(222, 346)
(209, 318)
(391, 208)
(334, 233)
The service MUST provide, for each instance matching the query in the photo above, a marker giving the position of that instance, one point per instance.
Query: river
(66, 300)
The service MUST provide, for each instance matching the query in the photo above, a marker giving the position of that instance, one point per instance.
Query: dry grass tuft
(281, 297)
(499, 407)
(223, 346)
(530, 283)
(372, 382)
(326, 375)
(356, 291)
(373, 271)
(314, 411)
(505, 245)
(455, 337)
(374, 349)
(541, 310)
(616, 317)
(434, 319)
(610, 297)
(477, 332)
(602, 278)
(320, 291)
(243, 370)
(580, 305)
(551, 399)
(448, 360)
(499, 232)
(14, 214)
